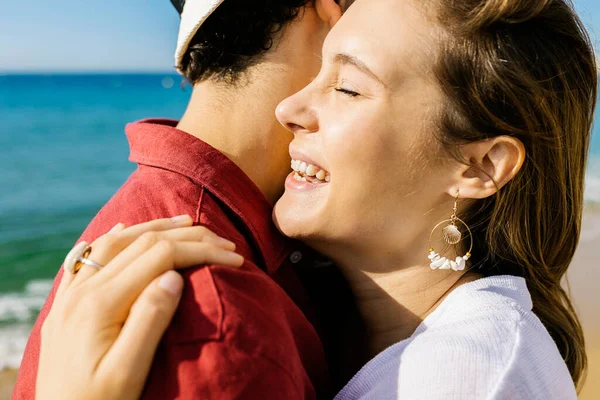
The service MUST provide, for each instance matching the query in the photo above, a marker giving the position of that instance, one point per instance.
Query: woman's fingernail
(219, 241)
(181, 219)
(172, 282)
(229, 257)
(117, 228)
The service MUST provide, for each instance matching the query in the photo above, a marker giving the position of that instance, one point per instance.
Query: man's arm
(230, 338)
(216, 370)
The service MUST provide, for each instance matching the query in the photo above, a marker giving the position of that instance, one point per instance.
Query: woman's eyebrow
(347, 59)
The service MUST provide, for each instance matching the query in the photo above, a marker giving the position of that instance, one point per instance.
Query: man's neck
(239, 121)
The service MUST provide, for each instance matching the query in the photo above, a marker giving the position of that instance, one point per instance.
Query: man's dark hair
(236, 36)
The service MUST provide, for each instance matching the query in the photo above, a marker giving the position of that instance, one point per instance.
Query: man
(237, 333)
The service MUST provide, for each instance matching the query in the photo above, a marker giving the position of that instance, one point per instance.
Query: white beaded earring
(451, 235)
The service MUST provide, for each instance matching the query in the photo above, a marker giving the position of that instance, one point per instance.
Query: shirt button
(295, 257)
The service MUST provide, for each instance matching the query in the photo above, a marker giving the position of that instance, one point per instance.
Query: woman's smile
(306, 173)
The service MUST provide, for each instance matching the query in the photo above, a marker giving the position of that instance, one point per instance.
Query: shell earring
(451, 235)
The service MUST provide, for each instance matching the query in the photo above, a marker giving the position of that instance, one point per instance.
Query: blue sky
(113, 35)
(87, 35)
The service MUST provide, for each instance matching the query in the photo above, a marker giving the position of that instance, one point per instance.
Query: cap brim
(195, 12)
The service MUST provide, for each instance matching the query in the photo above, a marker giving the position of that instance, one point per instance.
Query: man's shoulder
(242, 311)
(228, 341)
(148, 194)
(245, 302)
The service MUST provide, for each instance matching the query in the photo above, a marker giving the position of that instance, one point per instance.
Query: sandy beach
(7, 382)
(584, 277)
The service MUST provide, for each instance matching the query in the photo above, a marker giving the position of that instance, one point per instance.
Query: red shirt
(238, 333)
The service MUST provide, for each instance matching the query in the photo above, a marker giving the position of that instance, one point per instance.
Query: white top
(482, 342)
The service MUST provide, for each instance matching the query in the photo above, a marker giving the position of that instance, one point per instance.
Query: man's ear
(329, 11)
(494, 162)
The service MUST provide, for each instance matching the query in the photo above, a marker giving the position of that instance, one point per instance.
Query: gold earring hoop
(451, 235)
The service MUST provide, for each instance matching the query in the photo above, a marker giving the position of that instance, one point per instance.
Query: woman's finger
(107, 246)
(149, 239)
(134, 349)
(65, 282)
(117, 228)
(87, 270)
(162, 224)
(122, 291)
(185, 234)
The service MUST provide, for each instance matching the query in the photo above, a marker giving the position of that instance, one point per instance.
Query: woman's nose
(295, 114)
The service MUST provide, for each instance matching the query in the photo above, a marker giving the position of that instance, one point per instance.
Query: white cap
(194, 13)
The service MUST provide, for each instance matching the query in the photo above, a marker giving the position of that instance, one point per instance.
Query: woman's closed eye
(347, 92)
(347, 88)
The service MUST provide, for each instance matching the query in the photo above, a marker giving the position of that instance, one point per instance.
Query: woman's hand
(101, 334)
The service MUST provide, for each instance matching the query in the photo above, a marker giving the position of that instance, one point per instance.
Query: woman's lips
(313, 173)
(304, 183)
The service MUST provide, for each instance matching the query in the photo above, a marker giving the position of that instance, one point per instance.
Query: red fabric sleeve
(228, 341)
(212, 370)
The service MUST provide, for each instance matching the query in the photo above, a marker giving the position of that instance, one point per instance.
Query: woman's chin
(293, 219)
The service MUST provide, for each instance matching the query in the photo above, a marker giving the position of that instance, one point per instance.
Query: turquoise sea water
(63, 153)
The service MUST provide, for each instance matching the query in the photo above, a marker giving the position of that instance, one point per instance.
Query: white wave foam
(18, 312)
(12, 345)
(24, 306)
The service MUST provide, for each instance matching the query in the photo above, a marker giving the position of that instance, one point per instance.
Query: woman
(439, 160)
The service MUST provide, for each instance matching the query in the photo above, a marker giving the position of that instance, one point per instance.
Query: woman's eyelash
(347, 92)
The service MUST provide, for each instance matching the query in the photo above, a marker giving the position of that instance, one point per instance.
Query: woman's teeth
(304, 170)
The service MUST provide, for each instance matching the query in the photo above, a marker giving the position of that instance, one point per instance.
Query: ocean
(63, 153)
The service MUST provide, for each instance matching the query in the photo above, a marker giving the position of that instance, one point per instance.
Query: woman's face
(368, 122)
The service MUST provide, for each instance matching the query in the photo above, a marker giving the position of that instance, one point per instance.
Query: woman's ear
(329, 11)
(494, 162)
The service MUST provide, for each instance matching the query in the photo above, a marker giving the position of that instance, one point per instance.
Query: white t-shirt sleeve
(447, 366)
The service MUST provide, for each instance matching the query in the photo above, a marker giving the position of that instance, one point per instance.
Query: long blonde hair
(525, 68)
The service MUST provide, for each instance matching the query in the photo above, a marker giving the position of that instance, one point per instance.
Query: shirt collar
(509, 286)
(158, 143)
